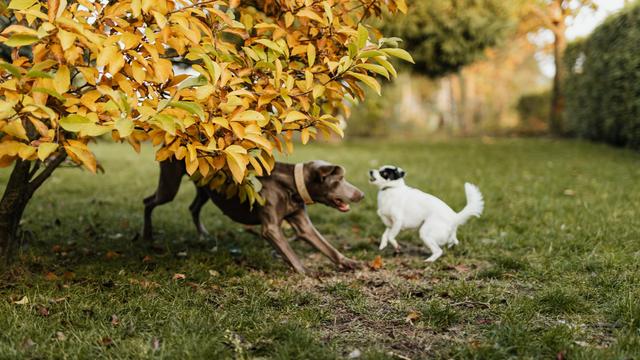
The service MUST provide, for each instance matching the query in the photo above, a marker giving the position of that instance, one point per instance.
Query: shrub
(533, 110)
(603, 85)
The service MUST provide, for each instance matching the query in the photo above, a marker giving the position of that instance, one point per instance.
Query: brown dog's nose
(357, 196)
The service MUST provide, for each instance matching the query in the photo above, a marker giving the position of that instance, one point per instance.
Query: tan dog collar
(298, 173)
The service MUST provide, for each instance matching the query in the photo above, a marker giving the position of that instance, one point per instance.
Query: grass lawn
(551, 268)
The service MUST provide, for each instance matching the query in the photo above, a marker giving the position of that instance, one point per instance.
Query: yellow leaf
(106, 54)
(288, 19)
(15, 129)
(311, 54)
(21, 4)
(368, 80)
(62, 80)
(294, 116)
(309, 13)
(67, 39)
(304, 136)
(85, 157)
(23, 301)
(45, 150)
(248, 115)
(136, 8)
(260, 141)
(237, 164)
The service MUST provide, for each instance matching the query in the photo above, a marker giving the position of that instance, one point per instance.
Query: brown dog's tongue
(344, 207)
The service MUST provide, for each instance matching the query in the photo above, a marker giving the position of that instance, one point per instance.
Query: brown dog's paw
(349, 264)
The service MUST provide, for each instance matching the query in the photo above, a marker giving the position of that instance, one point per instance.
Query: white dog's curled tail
(475, 204)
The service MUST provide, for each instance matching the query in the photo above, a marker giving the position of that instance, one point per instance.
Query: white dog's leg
(394, 243)
(385, 239)
(453, 241)
(436, 251)
(395, 229)
(428, 234)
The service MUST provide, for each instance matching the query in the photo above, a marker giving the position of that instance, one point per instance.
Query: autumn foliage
(266, 69)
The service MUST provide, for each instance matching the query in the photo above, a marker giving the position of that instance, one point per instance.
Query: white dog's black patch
(392, 173)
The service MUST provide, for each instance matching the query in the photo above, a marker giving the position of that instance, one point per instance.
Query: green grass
(552, 267)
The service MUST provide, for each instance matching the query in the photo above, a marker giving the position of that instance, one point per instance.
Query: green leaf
(400, 54)
(193, 82)
(270, 44)
(14, 70)
(387, 65)
(378, 69)
(191, 107)
(51, 92)
(75, 122)
(39, 74)
(213, 68)
(21, 40)
(363, 36)
(166, 123)
(124, 126)
(370, 53)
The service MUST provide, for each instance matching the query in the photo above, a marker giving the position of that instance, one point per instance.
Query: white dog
(401, 207)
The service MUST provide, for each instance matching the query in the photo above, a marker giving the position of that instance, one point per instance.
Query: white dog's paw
(432, 258)
(383, 245)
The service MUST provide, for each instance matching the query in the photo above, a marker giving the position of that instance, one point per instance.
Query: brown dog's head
(326, 185)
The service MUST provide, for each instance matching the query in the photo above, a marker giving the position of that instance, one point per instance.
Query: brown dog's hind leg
(196, 206)
(305, 230)
(168, 185)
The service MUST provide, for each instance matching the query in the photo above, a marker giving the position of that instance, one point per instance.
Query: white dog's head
(387, 175)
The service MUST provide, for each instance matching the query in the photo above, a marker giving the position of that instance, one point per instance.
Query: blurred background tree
(487, 67)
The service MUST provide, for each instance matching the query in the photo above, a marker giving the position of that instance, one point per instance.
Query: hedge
(603, 82)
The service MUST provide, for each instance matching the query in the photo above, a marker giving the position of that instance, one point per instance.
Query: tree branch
(44, 175)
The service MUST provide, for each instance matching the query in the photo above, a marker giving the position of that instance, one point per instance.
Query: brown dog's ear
(328, 170)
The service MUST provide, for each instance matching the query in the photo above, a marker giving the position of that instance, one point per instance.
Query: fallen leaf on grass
(61, 336)
(214, 273)
(462, 268)
(376, 264)
(23, 301)
(106, 341)
(355, 354)
(43, 311)
(57, 300)
(412, 316)
(111, 255)
(27, 343)
(114, 320)
(147, 259)
(569, 192)
(155, 344)
(68, 275)
(179, 276)
(51, 276)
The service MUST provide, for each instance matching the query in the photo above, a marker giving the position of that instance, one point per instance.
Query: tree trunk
(14, 201)
(556, 120)
(23, 183)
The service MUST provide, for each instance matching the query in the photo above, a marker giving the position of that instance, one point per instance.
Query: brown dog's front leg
(273, 233)
(305, 230)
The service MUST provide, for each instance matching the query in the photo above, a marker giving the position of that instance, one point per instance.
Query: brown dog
(286, 190)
